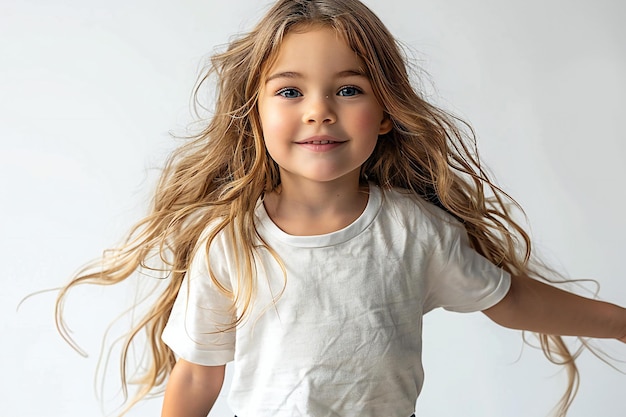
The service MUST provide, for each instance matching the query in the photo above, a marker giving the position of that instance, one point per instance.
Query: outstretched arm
(538, 307)
(192, 389)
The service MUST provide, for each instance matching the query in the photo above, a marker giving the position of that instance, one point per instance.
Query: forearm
(535, 306)
(192, 390)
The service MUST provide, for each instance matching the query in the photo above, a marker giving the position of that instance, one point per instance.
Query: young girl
(325, 209)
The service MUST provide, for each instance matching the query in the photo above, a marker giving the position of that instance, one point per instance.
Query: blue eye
(349, 91)
(289, 93)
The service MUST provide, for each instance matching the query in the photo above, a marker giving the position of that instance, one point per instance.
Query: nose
(319, 110)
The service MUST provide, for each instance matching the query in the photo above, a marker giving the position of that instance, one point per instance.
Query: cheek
(273, 122)
(273, 130)
(368, 121)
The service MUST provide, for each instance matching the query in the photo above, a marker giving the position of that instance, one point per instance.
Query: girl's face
(319, 115)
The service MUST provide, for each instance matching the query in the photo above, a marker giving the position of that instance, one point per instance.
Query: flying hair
(219, 175)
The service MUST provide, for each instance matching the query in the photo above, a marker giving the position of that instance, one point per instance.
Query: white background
(89, 90)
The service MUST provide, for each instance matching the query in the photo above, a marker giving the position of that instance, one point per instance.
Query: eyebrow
(293, 74)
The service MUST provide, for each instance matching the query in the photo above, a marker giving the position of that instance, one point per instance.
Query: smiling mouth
(320, 140)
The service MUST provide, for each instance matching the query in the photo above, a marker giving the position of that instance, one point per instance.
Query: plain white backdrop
(90, 89)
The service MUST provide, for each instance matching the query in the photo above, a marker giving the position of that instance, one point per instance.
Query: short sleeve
(198, 329)
(459, 278)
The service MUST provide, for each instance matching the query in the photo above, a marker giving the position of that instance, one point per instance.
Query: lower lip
(318, 147)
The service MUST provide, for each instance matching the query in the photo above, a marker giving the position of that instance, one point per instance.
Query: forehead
(314, 49)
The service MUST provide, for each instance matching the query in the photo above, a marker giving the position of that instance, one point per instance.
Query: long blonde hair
(220, 174)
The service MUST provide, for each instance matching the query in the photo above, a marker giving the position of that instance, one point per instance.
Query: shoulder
(212, 250)
(415, 213)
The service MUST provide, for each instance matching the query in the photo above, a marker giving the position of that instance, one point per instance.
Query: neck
(316, 208)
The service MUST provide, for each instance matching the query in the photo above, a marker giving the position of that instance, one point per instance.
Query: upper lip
(321, 139)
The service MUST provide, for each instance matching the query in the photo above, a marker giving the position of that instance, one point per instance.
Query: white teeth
(321, 142)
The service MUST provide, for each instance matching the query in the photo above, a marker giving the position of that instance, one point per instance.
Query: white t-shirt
(345, 336)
